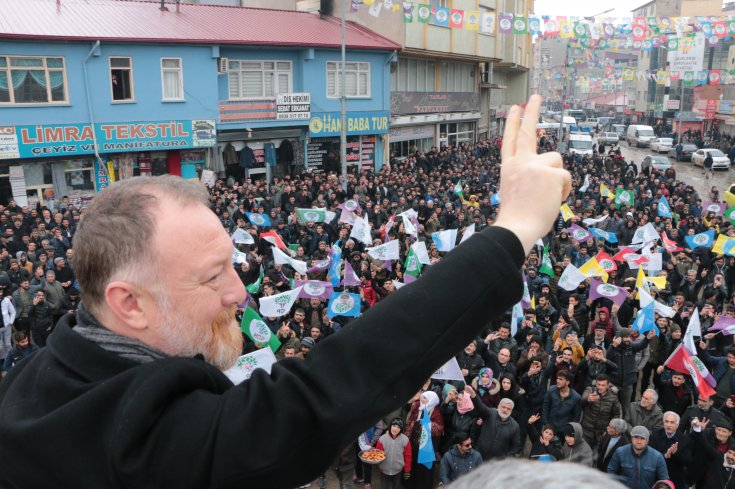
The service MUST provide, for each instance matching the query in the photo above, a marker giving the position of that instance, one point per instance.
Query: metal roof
(135, 21)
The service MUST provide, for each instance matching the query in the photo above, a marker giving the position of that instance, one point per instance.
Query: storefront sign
(672, 105)
(293, 106)
(433, 102)
(327, 124)
(408, 133)
(78, 139)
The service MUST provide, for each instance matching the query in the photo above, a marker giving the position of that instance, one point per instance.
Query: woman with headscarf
(424, 402)
(486, 387)
(459, 416)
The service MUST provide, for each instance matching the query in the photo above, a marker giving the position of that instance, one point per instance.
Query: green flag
(546, 268)
(458, 189)
(730, 214)
(424, 13)
(253, 326)
(254, 288)
(412, 265)
(624, 197)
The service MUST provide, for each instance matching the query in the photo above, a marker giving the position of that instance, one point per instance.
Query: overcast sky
(581, 9)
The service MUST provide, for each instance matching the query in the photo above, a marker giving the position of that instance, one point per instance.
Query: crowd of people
(569, 377)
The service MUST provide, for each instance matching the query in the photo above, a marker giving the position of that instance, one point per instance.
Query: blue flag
(609, 237)
(335, 267)
(426, 446)
(705, 239)
(344, 304)
(259, 219)
(495, 199)
(644, 321)
(664, 210)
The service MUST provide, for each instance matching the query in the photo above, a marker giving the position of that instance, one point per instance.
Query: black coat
(678, 463)
(94, 419)
(603, 459)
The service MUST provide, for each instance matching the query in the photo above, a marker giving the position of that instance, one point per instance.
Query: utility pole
(343, 107)
(563, 96)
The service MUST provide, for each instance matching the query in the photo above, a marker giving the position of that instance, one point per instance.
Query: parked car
(719, 159)
(661, 145)
(660, 163)
(686, 152)
(608, 138)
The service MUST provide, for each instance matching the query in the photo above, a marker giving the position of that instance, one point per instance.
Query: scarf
(483, 388)
(464, 404)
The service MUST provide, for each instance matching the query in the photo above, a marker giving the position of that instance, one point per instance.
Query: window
(457, 77)
(172, 79)
(32, 80)
(121, 79)
(79, 176)
(357, 79)
(438, 3)
(413, 75)
(258, 79)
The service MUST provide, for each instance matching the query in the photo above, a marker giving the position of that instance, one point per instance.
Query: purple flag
(579, 233)
(726, 324)
(505, 23)
(320, 265)
(351, 279)
(407, 279)
(608, 291)
(314, 289)
(717, 207)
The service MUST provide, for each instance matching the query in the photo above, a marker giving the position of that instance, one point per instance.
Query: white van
(640, 135)
(580, 144)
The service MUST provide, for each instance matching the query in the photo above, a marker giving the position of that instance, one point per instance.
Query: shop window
(79, 175)
(121, 79)
(32, 80)
(258, 79)
(402, 149)
(172, 79)
(357, 79)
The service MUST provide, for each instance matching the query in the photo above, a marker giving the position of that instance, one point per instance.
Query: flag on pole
(419, 247)
(605, 192)
(314, 289)
(426, 454)
(586, 184)
(669, 244)
(694, 329)
(387, 251)
(566, 212)
(606, 261)
(445, 240)
(361, 231)
(259, 332)
(258, 219)
(571, 278)
(726, 324)
(315, 215)
(515, 316)
(664, 209)
(335, 268)
(458, 189)
(578, 233)
(681, 361)
(704, 240)
(281, 258)
(273, 238)
(344, 304)
(594, 220)
(730, 214)
(645, 319)
(412, 265)
(449, 371)
(351, 279)
(610, 237)
(254, 288)
(546, 267)
(608, 291)
(624, 197)
(717, 207)
(645, 234)
(278, 305)
(495, 199)
(593, 269)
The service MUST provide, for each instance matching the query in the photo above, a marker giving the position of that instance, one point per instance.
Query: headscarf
(446, 390)
(483, 388)
(432, 401)
(464, 404)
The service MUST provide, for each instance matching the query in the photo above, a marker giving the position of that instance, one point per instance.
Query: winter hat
(640, 432)
(664, 484)
(674, 327)
(397, 422)
(308, 342)
(57, 260)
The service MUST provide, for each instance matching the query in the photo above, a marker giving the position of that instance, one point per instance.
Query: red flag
(274, 238)
(626, 250)
(606, 261)
(669, 244)
(680, 361)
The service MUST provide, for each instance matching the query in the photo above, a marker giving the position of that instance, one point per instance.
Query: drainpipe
(90, 112)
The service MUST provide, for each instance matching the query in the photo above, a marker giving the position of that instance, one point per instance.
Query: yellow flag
(533, 303)
(566, 212)
(605, 192)
(724, 245)
(628, 74)
(592, 268)
(640, 279)
(658, 282)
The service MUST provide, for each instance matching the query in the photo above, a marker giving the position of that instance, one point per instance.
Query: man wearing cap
(712, 439)
(675, 446)
(622, 353)
(616, 436)
(637, 465)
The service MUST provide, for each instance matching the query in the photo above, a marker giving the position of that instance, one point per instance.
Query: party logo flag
(664, 210)
(724, 245)
(669, 244)
(426, 454)
(419, 247)
(586, 184)
(472, 21)
(387, 251)
(361, 231)
(701, 77)
(487, 23)
(726, 324)
(645, 319)
(505, 23)
(579, 233)
(278, 305)
(624, 197)
(412, 265)
(468, 232)
(551, 26)
(605, 192)
(445, 240)
(688, 78)
(259, 332)
(566, 30)
(729, 214)
(519, 25)
(715, 77)
(314, 289)
(458, 189)
(593, 269)
(546, 267)
(624, 253)
(315, 215)
(703, 240)
(581, 31)
(566, 212)
(645, 234)
(258, 219)
(681, 361)
(609, 237)
(571, 278)
(240, 236)
(449, 371)
(534, 26)
(344, 304)
(254, 288)
(495, 199)
(441, 17)
(281, 258)
(456, 19)
(274, 238)
(718, 208)
(608, 291)
(606, 261)
(424, 13)
(694, 329)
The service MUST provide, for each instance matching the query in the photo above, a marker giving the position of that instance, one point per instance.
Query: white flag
(240, 236)
(654, 263)
(278, 305)
(247, 364)
(449, 371)
(645, 234)
(693, 330)
(388, 251)
(375, 9)
(594, 220)
(571, 278)
(398, 284)
(445, 240)
(516, 314)
(468, 232)
(238, 256)
(419, 247)
(347, 217)
(586, 184)
(407, 223)
(281, 258)
(361, 231)
(664, 310)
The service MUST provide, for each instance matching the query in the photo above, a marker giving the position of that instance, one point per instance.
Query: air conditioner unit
(222, 65)
(731, 58)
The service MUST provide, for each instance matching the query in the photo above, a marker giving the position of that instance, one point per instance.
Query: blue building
(93, 92)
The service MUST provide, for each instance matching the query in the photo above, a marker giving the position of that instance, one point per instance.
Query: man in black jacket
(125, 380)
(675, 446)
(622, 353)
(615, 437)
